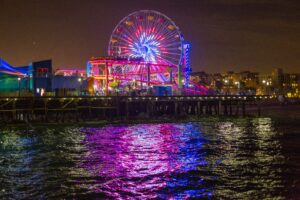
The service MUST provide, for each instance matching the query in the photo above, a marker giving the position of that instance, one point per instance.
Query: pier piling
(120, 107)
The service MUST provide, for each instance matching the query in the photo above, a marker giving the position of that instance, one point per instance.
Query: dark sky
(255, 35)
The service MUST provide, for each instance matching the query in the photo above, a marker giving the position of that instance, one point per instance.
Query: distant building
(200, 77)
(277, 80)
(217, 81)
(291, 85)
(42, 77)
(249, 82)
(68, 85)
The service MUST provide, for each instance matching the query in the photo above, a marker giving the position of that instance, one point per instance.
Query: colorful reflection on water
(146, 161)
(213, 159)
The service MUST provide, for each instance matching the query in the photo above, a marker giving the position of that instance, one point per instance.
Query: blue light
(188, 69)
(146, 47)
(7, 68)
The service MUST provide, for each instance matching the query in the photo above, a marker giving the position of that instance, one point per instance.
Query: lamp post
(134, 83)
(267, 84)
(95, 89)
(226, 86)
(19, 79)
(237, 83)
(80, 82)
(179, 74)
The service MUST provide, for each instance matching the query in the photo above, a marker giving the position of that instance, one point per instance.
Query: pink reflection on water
(135, 161)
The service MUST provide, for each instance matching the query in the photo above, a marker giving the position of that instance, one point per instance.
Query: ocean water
(237, 158)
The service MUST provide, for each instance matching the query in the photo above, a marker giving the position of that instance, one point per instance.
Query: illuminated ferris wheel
(148, 35)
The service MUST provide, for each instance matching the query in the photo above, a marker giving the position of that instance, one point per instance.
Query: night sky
(255, 35)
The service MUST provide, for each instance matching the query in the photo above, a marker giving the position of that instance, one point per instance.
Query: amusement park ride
(146, 54)
(146, 50)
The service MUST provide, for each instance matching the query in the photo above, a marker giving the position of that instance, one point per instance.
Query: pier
(57, 109)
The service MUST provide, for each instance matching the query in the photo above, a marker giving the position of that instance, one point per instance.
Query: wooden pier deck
(57, 109)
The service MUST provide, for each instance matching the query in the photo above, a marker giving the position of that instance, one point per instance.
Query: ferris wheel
(149, 35)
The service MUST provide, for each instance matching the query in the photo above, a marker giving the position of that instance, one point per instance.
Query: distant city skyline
(232, 35)
(239, 71)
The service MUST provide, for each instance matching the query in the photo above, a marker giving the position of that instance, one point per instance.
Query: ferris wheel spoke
(161, 27)
(173, 46)
(168, 57)
(129, 33)
(165, 61)
(125, 40)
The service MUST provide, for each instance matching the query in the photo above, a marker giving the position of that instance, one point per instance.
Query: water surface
(249, 158)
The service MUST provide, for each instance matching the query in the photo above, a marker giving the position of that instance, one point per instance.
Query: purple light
(149, 154)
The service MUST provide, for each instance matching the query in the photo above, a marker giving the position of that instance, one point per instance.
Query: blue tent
(9, 77)
(6, 68)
